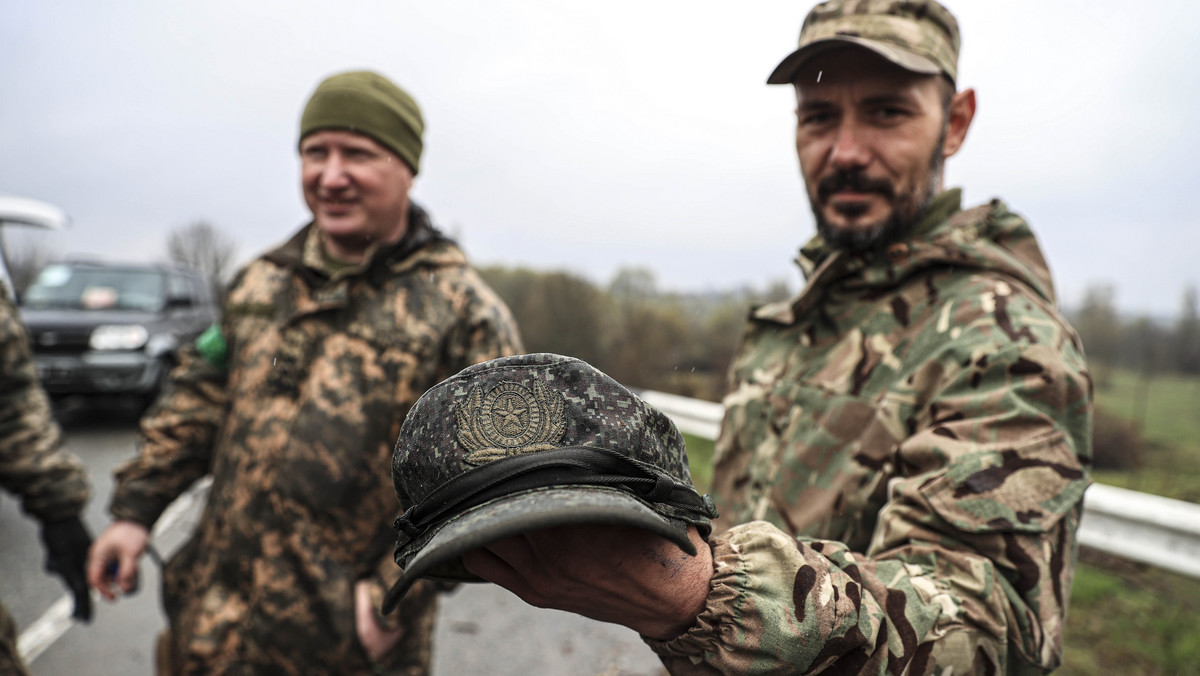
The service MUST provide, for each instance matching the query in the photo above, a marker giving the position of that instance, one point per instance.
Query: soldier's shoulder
(263, 273)
(990, 291)
(987, 312)
(439, 253)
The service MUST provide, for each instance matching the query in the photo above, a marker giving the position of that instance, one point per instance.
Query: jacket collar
(988, 237)
(422, 243)
(817, 250)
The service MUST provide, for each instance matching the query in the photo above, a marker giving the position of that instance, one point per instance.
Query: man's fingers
(97, 571)
(516, 551)
(113, 558)
(362, 603)
(487, 565)
(375, 639)
(109, 569)
(127, 572)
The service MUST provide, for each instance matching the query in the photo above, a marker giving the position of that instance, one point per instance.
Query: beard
(907, 209)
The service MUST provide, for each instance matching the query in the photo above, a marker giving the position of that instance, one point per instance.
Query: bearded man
(906, 444)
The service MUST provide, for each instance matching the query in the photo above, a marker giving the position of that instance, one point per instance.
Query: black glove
(67, 542)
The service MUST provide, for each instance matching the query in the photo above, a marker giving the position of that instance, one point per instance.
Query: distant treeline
(1142, 344)
(682, 343)
(640, 336)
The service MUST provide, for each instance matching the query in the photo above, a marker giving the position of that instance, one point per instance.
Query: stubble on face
(871, 139)
(907, 209)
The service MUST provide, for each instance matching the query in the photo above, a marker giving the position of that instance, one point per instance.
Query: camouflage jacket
(906, 446)
(295, 413)
(52, 483)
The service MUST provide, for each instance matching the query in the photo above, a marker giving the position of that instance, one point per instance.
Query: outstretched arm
(608, 573)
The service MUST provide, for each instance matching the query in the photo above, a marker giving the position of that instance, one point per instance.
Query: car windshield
(96, 288)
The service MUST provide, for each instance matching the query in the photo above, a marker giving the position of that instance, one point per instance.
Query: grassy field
(700, 452)
(1124, 618)
(1166, 409)
(1131, 619)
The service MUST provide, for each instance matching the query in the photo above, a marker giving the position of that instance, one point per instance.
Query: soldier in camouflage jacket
(906, 444)
(293, 406)
(51, 483)
(906, 447)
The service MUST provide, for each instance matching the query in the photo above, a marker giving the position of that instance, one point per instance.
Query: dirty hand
(609, 573)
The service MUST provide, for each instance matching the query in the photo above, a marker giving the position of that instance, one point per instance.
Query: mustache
(856, 180)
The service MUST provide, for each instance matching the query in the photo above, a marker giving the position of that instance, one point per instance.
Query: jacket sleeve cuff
(127, 506)
(719, 642)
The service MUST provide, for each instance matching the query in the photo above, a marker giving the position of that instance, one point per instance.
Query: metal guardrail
(1137, 526)
(1142, 527)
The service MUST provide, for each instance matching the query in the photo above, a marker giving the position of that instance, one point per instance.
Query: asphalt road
(482, 629)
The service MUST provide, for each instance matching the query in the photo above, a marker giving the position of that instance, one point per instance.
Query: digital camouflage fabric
(905, 447)
(297, 432)
(528, 442)
(50, 482)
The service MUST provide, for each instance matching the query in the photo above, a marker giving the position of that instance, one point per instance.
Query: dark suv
(101, 329)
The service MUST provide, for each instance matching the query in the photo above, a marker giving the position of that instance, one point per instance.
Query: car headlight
(118, 337)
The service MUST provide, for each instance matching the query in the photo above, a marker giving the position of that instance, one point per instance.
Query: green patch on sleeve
(212, 346)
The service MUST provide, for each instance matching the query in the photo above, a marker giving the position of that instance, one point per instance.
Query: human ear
(958, 120)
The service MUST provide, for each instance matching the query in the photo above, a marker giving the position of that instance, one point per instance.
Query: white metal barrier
(1148, 528)
(1142, 527)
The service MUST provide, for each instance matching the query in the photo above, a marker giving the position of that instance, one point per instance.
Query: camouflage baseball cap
(527, 442)
(918, 36)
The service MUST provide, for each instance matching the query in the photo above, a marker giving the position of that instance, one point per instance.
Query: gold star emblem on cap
(510, 419)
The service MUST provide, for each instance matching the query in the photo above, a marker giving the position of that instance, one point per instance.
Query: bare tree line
(27, 254)
(642, 337)
(1139, 343)
(202, 247)
(198, 246)
(678, 342)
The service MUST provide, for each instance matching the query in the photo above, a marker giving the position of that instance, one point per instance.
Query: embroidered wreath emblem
(509, 420)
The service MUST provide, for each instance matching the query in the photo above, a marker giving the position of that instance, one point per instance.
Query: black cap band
(576, 466)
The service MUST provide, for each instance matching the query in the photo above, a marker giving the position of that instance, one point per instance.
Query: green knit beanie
(367, 103)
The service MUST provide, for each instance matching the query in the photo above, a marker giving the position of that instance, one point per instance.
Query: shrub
(1116, 443)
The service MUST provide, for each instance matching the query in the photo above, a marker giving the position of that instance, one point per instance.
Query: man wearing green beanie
(292, 403)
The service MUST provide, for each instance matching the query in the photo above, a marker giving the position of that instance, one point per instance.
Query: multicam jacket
(905, 447)
(51, 483)
(294, 413)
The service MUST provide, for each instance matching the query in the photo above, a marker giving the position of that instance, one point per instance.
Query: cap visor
(786, 71)
(522, 512)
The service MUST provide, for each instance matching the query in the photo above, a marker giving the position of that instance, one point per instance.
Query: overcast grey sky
(590, 136)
